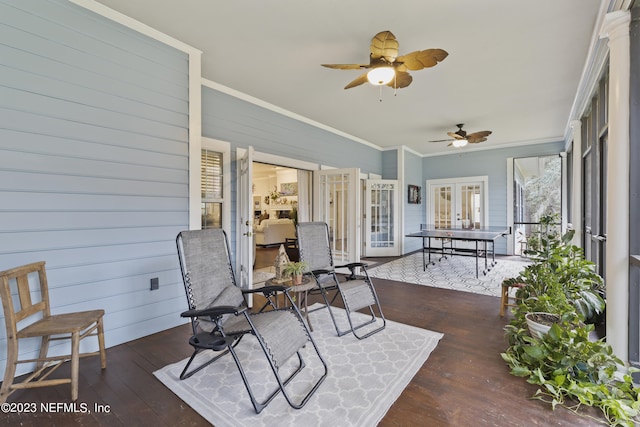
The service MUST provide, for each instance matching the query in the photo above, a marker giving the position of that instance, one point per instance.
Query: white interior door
(381, 218)
(245, 238)
(337, 202)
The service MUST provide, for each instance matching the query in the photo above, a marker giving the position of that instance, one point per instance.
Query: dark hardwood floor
(463, 383)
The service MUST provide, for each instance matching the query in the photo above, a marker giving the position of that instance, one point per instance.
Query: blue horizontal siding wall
(244, 124)
(93, 164)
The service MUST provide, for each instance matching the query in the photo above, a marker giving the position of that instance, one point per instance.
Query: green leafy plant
(294, 268)
(560, 268)
(570, 369)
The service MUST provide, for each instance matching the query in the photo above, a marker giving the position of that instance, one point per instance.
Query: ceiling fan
(461, 137)
(386, 67)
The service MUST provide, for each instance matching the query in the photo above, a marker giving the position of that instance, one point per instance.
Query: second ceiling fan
(461, 137)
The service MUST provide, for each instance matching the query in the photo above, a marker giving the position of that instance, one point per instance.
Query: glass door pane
(381, 220)
(442, 204)
(338, 204)
(470, 212)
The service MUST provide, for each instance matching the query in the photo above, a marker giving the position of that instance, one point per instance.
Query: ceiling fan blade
(440, 140)
(476, 137)
(476, 140)
(480, 134)
(422, 58)
(362, 78)
(346, 66)
(402, 79)
(455, 135)
(384, 45)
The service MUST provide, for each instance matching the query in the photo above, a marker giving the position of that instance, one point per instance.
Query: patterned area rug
(457, 273)
(365, 378)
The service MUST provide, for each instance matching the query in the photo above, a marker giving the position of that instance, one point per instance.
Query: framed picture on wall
(414, 194)
(289, 189)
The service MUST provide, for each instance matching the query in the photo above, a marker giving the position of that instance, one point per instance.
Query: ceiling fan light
(459, 142)
(381, 75)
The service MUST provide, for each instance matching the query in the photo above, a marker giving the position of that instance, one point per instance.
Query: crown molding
(594, 64)
(135, 25)
(266, 105)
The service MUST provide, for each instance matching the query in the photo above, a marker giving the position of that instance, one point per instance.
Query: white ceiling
(513, 66)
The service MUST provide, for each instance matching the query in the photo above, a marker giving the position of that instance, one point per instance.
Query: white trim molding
(135, 25)
(224, 148)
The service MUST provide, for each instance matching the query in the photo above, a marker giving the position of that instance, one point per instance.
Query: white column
(576, 182)
(616, 28)
(565, 185)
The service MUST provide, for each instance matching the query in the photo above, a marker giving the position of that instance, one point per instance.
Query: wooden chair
(29, 304)
(506, 300)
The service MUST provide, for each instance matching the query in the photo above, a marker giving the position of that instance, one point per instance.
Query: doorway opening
(281, 197)
(537, 186)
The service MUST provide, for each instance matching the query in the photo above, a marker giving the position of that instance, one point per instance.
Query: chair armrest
(352, 265)
(213, 311)
(266, 289)
(319, 272)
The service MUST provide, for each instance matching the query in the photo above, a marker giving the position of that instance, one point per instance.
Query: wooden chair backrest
(27, 307)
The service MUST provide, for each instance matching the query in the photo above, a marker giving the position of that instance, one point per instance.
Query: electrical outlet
(155, 283)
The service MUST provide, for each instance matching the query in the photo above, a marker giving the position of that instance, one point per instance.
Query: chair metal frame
(69, 326)
(327, 281)
(218, 340)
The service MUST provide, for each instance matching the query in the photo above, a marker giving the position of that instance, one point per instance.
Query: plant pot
(296, 279)
(539, 323)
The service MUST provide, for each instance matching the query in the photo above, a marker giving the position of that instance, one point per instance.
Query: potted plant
(540, 322)
(570, 367)
(295, 270)
(560, 279)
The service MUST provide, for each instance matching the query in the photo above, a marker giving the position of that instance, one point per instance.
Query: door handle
(248, 234)
(599, 238)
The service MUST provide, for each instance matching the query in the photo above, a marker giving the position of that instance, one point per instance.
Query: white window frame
(195, 204)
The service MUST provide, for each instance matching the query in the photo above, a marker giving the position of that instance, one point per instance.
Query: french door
(457, 203)
(337, 202)
(381, 218)
(244, 236)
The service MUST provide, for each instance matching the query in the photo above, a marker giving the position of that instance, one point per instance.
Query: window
(211, 182)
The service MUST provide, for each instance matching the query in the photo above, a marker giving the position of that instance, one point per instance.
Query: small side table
(298, 292)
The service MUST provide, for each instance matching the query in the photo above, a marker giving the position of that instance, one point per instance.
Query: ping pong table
(483, 243)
